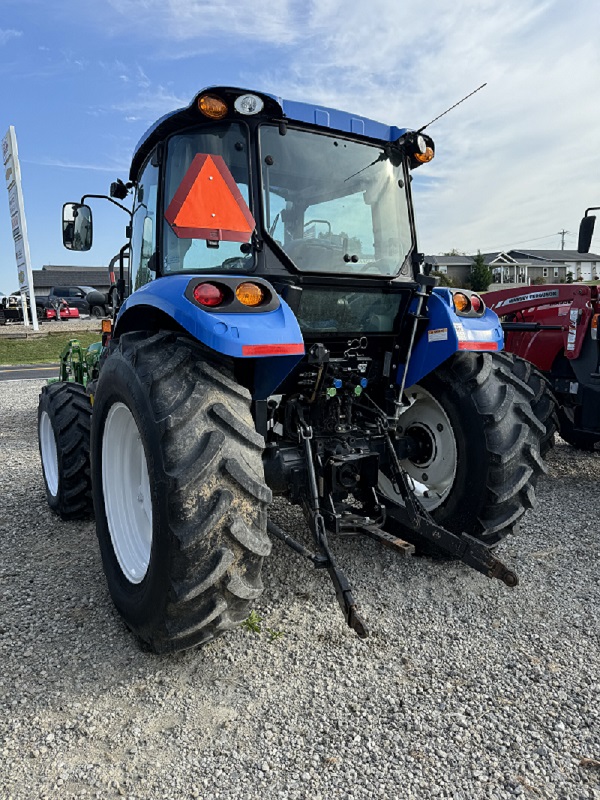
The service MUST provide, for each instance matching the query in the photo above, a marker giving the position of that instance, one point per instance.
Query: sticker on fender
(437, 335)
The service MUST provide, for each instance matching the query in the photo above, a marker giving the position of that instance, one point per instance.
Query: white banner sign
(12, 174)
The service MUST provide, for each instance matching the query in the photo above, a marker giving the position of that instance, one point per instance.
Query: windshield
(230, 141)
(334, 205)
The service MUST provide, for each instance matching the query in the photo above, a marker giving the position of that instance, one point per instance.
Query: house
(584, 266)
(514, 267)
(457, 268)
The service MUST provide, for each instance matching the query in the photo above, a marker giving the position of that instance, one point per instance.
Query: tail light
(476, 303)
(207, 294)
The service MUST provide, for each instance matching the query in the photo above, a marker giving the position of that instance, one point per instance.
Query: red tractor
(555, 327)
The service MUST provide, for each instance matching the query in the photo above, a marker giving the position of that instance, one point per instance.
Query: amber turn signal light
(106, 326)
(212, 106)
(461, 302)
(423, 158)
(250, 294)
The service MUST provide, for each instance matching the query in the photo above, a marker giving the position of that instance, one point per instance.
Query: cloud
(185, 20)
(6, 34)
(512, 163)
(57, 162)
(151, 102)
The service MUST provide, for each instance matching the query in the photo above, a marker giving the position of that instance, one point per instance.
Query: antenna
(435, 119)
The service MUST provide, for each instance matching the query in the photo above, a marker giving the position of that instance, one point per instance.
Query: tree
(444, 279)
(481, 275)
(454, 252)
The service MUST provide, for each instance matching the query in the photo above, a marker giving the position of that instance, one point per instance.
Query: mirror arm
(121, 280)
(106, 197)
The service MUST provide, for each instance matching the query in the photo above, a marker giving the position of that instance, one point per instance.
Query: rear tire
(96, 312)
(543, 403)
(495, 444)
(64, 414)
(185, 567)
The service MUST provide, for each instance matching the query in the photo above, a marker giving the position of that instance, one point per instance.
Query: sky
(515, 164)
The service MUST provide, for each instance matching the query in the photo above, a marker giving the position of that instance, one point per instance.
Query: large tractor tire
(543, 402)
(479, 446)
(64, 415)
(178, 483)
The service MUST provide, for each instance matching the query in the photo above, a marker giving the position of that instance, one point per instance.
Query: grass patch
(45, 350)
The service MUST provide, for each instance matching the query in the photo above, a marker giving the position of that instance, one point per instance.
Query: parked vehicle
(11, 308)
(555, 328)
(99, 304)
(75, 296)
(276, 335)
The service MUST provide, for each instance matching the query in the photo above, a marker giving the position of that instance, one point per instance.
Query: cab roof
(276, 109)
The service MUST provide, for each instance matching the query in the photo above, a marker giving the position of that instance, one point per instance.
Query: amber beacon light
(212, 106)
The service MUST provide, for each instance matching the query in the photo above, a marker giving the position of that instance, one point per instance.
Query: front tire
(179, 491)
(64, 414)
(96, 312)
(479, 477)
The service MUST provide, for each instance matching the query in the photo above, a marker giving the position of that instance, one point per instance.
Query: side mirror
(77, 226)
(586, 231)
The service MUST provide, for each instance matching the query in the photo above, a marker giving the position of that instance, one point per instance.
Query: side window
(143, 242)
(61, 291)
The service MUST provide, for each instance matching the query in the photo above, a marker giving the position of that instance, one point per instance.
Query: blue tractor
(276, 332)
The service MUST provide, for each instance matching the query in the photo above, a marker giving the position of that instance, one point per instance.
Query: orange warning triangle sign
(209, 205)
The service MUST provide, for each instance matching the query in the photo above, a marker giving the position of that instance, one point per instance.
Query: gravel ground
(465, 689)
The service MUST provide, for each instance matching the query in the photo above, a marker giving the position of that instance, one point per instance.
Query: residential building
(514, 267)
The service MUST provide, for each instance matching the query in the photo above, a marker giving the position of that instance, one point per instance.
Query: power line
(510, 245)
(562, 235)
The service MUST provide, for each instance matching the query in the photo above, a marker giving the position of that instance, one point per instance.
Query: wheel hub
(422, 445)
(431, 464)
(127, 496)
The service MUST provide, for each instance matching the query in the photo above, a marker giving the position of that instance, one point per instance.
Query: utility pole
(562, 234)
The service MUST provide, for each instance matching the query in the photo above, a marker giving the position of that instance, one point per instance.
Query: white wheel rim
(49, 453)
(126, 489)
(433, 476)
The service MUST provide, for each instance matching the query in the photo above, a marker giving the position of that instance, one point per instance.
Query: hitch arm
(341, 584)
(462, 546)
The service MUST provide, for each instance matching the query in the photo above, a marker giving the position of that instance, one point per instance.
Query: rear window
(340, 311)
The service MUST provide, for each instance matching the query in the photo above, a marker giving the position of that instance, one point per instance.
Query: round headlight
(248, 104)
(421, 144)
